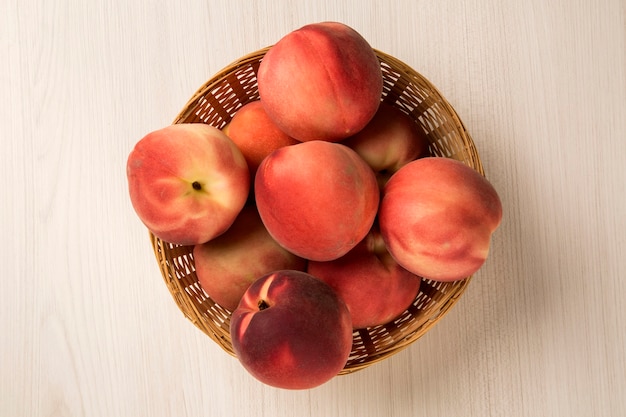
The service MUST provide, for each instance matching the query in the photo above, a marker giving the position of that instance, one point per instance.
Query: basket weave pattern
(216, 102)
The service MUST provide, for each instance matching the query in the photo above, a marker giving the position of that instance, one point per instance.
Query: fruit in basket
(371, 283)
(321, 82)
(256, 134)
(317, 199)
(437, 216)
(291, 330)
(389, 141)
(229, 263)
(187, 182)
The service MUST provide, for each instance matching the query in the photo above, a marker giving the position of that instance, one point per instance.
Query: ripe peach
(321, 82)
(187, 182)
(371, 283)
(255, 134)
(229, 263)
(317, 199)
(291, 331)
(437, 216)
(389, 141)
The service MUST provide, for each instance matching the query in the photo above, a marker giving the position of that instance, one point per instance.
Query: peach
(291, 331)
(371, 283)
(437, 216)
(317, 199)
(187, 182)
(255, 134)
(321, 82)
(228, 264)
(389, 141)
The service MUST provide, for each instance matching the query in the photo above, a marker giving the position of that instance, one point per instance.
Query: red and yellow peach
(291, 331)
(255, 134)
(437, 216)
(187, 182)
(389, 141)
(371, 283)
(321, 82)
(228, 264)
(317, 199)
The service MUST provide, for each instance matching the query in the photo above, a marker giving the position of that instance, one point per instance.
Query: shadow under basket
(216, 102)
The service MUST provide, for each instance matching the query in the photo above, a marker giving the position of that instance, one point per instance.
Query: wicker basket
(217, 101)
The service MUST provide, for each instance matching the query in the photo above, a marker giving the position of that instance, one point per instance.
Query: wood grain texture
(89, 329)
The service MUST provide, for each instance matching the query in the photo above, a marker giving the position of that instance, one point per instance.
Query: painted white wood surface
(87, 325)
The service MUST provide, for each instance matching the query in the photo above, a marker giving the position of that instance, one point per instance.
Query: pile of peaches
(316, 210)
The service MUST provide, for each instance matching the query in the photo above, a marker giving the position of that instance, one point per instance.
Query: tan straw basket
(216, 102)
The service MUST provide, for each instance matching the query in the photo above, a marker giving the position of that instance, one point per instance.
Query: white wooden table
(88, 327)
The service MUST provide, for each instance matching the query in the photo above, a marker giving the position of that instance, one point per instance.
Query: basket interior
(218, 100)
